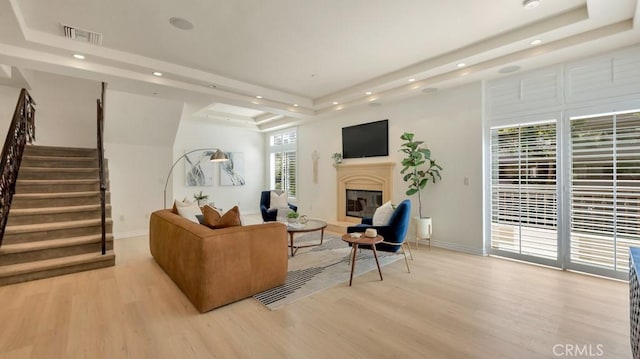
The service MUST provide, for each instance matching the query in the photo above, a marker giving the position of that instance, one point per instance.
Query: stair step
(22, 272)
(47, 227)
(61, 199)
(53, 248)
(43, 173)
(36, 150)
(54, 230)
(19, 216)
(51, 243)
(61, 185)
(59, 162)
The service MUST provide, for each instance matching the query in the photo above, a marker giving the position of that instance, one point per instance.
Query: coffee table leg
(353, 262)
(321, 235)
(375, 255)
(291, 243)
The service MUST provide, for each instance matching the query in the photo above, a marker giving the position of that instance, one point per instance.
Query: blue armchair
(265, 203)
(394, 233)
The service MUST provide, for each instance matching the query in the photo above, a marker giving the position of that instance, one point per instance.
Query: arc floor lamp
(217, 156)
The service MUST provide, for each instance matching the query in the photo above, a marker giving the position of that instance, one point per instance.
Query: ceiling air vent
(74, 33)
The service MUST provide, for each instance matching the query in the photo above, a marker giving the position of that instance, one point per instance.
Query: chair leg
(408, 246)
(405, 258)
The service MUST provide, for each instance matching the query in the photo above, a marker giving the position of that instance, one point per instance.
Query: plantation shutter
(283, 161)
(605, 189)
(524, 190)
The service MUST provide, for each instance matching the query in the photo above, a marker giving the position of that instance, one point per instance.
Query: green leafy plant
(200, 196)
(292, 214)
(337, 158)
(418, 167)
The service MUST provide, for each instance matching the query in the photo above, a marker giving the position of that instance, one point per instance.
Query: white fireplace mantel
(363, 176)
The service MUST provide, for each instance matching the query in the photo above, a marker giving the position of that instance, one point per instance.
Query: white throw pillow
(189, 211)
(382, 215)
(278, 200)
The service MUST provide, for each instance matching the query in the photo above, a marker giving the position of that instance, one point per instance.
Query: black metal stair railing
(21, 131)
(103, 185)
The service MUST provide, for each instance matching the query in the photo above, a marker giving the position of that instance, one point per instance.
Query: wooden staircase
(54, 225)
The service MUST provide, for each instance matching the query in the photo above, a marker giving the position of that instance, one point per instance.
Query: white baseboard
(129, 234)
(459, 248)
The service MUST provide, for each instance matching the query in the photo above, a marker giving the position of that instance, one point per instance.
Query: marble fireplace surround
(363, 176)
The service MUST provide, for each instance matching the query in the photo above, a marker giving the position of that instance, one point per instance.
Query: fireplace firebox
(362, 203)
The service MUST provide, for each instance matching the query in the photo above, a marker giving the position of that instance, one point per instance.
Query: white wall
(65, 110)
(8, 99)
(136, 178)
(194, 133)
(450, 123)
(139, 135)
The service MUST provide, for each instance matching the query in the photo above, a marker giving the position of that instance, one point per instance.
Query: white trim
(130, 234)
(459, 248)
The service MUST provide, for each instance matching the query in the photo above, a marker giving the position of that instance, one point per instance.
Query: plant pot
(292, 220)
(202, 202)
(424, 229)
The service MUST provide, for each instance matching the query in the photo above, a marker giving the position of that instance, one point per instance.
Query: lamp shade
(219, 156)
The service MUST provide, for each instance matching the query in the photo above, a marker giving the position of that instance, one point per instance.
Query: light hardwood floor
(452, 305)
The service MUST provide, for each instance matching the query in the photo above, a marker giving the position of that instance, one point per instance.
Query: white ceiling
(307, 53)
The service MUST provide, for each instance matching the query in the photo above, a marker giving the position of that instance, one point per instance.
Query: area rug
(314, 269)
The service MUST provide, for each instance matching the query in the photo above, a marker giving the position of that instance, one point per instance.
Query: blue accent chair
(265, 203)
(394, 233)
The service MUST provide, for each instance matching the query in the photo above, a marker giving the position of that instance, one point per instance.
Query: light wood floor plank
(452, 305)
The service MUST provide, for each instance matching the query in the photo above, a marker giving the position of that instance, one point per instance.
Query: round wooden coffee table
(355, 242)
(311, 226)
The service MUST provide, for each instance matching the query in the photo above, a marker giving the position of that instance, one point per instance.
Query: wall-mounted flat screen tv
(366, 140)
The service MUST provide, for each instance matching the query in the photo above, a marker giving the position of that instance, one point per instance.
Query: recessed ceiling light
(530, 4)
(156, 73)
(412, 80)
(536, 42)
(372, 99)
(258, 96)
(509, 69)
(335, 102)
(461, 65)
(78, 56)
(368, 93)
(429, 89)
(295, 105)
(180, 23)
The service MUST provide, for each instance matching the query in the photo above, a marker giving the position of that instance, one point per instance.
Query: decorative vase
(292, 220)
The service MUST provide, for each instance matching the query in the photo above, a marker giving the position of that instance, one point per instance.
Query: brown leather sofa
(214, 267)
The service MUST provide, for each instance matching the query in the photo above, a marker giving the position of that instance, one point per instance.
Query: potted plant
(201, 198)
(418, 169)
(337, 159)
(292, 217)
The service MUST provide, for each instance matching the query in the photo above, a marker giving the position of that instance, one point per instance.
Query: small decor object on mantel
(337, 159)
(201, 198)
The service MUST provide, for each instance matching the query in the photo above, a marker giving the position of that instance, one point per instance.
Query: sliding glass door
(524, 187)
(605, 192)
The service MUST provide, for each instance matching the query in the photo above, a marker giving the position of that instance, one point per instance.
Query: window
(283, 159)
(605, 189)
(524, 200)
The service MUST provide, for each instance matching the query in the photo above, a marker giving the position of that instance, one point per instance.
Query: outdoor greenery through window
(283, 158)
(524, 204)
